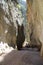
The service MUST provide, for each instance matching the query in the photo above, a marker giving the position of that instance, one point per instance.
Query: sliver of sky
(24, 0)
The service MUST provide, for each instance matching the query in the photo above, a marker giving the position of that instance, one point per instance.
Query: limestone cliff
(35, 21)
(9, 13)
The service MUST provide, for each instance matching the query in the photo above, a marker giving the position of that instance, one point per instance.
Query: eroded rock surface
(9, 13)
(35, 21)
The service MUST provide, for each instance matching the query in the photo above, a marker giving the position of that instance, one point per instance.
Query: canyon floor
(23, 57)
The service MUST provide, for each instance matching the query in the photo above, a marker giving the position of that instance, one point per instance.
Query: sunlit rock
(4, 48)
(9, 13)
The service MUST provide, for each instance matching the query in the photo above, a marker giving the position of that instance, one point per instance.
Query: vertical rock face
(29, 23)
(7, 28)
(20, 37)
(35, 20)
(9, 13)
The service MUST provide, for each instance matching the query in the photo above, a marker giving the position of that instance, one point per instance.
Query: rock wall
(7, 31)
(35, 21)
(9, 13)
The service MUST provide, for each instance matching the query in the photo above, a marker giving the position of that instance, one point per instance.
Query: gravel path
(22, 58)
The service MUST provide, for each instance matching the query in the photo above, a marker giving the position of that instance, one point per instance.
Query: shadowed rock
(20, 37)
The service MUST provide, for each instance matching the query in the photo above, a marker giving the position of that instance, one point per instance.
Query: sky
(24, 0)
